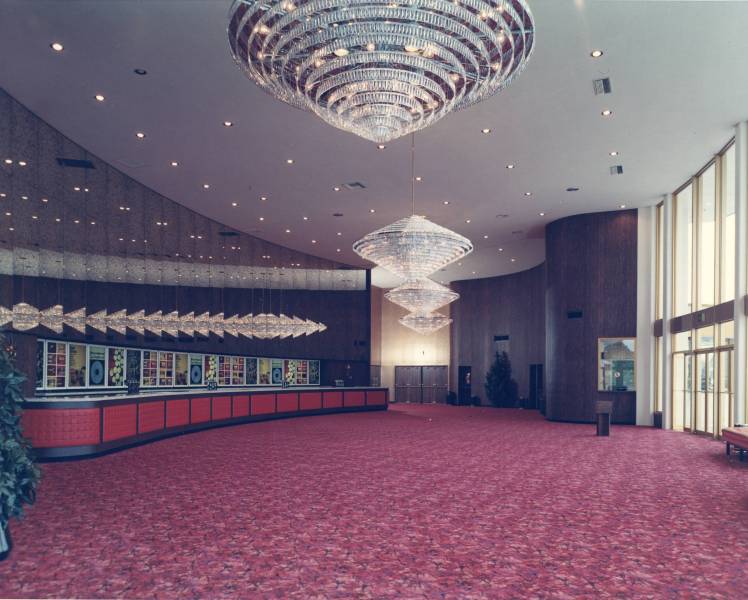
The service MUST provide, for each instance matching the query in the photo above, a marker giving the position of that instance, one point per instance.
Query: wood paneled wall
(510, 305)
(591, 267)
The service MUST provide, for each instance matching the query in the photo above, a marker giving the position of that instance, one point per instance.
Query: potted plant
(501, 389)
(19, 475)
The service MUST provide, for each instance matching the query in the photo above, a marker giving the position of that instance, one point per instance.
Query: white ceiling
(678, 77)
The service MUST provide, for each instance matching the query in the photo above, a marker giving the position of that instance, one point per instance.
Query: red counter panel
(310, 401)
(221, 408)
(354, 398)
(119, 421)
(332, 399)
(55, 427)
(200, 411)
(241, 406)
(288, 402)
(177, 413)
(377, 397)
(263, 404)
(151, 416)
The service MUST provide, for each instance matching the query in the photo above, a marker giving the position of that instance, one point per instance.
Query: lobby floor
(418, 502)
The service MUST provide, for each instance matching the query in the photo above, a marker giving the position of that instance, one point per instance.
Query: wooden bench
(736, 436)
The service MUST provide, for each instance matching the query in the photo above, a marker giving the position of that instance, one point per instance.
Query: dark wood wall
(344, 347)
(591, 267)
(510, 305)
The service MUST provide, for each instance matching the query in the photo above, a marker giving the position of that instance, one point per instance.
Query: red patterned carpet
(419, 502)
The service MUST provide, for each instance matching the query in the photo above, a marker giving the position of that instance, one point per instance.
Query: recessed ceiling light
(613, 153)
(11, 229)
(446, 202)
(76, 189)
(99, 97)
(57, 219)
(371, 210)
(623, 206)
(305, 218)
(314, 241)
(485, 237)
(76, 221)
(8, 214)
(45, 200)
(288, 231)
(467, 220)
(174, 163)
(140, 135)
(262, 218)
(542, 214)
(206, 186)
(339, 233)
(8, 161)
(419, 178)
(510, 166)
(381, 146)
(228, 124)
(289, 161)
(263, 198)
(514, 260)
(93, 222)
(485, 130)
(21, 163)
(596, 53)
(140, 71)
(57, 47)
(337, 249)
(607, 112)
(528, 193)
(234, 204)
(501, 249)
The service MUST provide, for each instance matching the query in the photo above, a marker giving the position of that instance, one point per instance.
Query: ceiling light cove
(381, 71)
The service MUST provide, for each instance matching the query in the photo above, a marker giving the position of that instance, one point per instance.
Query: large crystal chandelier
(413, 248)
(24, 317)
(381, 68)
(421, 295)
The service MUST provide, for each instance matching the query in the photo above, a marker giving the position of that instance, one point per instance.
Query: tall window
(707, 237)
(728, 226)
(683, 252)
(659, 296)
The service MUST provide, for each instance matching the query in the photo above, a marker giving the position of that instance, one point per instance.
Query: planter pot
(6, 545)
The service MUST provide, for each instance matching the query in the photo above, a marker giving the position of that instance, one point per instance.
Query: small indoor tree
(501, 389)
(18, 473)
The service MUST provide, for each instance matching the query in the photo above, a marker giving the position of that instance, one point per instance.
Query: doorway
(702, 390)
(464, 387)
(421, 384)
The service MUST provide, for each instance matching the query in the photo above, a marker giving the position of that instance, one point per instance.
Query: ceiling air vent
(228, 234)
(75, 163)
(616, 170)
(354, 185)
(601, 86)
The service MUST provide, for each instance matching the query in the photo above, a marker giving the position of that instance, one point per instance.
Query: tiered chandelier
(23, 317)
(413, 248)
(381, 68)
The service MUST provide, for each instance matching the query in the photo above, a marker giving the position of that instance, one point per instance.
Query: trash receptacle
(603, 412)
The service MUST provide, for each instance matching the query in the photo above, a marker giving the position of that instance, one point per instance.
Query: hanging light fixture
(413, 247)
(381, 68)
(425, 323)
(421, 295)
(24, 317)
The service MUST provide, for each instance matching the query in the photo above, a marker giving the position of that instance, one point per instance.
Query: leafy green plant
(501, 389)
(19, 475)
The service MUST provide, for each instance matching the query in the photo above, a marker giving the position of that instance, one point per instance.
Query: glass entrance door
(724, 390)
(681, 391)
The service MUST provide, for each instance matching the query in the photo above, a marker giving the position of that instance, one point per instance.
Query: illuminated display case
(166, 369)
(72, 365)
(150, 368)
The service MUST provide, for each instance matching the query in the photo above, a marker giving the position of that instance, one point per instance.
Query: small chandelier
(421, 295)
(381, 68)
(425, 323)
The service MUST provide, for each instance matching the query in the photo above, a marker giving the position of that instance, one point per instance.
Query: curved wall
(591, 267)
(510, 305)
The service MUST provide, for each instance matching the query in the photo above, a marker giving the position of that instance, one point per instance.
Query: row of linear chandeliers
(23, 317)
(413, 248)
